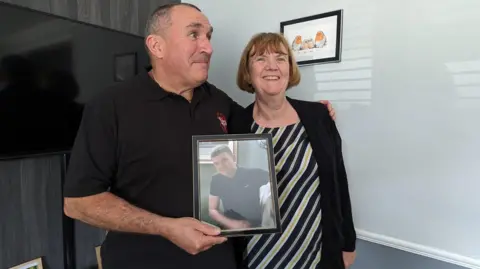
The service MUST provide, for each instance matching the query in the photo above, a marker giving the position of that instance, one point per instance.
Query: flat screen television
(49, 68)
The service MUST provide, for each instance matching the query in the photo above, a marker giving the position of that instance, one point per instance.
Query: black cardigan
(337, 223)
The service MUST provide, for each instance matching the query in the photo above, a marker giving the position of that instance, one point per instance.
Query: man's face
(225, 164)
(187, 45)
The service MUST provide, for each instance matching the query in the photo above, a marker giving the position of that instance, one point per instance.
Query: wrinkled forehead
(268, 47)
(187, 17)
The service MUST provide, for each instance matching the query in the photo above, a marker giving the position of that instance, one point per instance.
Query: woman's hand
(331, 111)
(349, 258)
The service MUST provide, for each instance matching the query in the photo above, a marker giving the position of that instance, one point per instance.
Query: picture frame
(125, 66)
(315, 39)
(33, 264)
(236, 192)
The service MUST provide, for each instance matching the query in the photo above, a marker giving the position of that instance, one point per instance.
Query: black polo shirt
(135, 140)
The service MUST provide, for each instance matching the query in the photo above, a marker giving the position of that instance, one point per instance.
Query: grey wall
(30, 189)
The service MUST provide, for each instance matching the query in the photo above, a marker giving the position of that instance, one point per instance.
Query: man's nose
(206, 46)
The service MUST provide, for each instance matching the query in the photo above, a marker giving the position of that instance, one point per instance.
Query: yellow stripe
(305, 244)
(277, 135)
(281, 162)
(294, 180)
(290, 226)
(285, 155)
(318, 258)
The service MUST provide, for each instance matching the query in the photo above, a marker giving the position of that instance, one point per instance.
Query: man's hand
(330, 108)
(192, 235)
(239, 224)
(348, 258)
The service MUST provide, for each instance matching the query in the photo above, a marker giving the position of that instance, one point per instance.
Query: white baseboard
(419, 249)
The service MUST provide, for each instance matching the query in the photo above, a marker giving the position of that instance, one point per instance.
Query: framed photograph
(124, 66)
(236, 190)
(33, 264)
(315, 39)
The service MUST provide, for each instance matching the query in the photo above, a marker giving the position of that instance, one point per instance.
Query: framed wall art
(315, 39)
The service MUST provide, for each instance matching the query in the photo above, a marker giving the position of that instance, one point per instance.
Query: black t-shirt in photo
(240, 195)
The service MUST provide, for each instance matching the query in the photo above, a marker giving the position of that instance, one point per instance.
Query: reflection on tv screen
(49, 68)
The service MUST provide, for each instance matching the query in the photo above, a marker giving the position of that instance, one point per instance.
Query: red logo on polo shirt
(223, 121)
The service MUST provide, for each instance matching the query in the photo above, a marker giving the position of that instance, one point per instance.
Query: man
(239, 190)
(130, 170)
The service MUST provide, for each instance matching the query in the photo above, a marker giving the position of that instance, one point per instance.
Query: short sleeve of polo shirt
(92, 163)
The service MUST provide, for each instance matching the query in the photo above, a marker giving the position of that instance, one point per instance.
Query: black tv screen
(49, 68)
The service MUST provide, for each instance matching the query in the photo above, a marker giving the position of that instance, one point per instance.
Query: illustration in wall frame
(237, 190)
(315, 39)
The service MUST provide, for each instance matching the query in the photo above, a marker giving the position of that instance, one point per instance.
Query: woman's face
(270, 72)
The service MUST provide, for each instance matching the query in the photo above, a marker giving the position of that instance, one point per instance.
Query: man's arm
(219, 217)
(110, 212)
(91, 172)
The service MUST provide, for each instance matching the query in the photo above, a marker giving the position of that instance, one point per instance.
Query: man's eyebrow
(199, 25)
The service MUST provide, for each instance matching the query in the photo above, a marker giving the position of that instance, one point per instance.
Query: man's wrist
(164, 226)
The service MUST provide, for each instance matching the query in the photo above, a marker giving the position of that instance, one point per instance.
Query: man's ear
(155, 45)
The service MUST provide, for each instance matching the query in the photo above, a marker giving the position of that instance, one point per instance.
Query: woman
(317, 223)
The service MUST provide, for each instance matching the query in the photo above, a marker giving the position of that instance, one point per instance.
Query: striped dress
(299, 246)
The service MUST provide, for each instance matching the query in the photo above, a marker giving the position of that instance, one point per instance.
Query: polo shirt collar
(155, 92)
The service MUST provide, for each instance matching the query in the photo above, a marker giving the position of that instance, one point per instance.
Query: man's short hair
(217, 150)
(160, 18)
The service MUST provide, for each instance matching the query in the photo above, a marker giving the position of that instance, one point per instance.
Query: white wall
(407, 93)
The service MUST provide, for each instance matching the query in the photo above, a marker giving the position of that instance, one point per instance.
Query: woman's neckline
(289, 118)
(276, 126)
